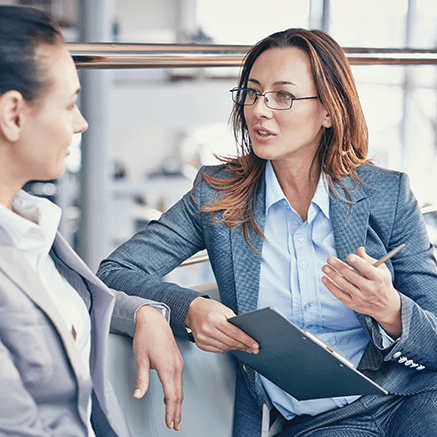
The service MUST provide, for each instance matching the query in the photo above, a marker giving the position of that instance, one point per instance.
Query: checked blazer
(381, 214)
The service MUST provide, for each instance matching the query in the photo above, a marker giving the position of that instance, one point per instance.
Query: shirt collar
(32, 228)
(275, 194)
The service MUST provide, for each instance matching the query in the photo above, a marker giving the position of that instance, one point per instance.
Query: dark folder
(297, 361)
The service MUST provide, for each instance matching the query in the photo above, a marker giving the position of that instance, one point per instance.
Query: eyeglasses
(278, 100)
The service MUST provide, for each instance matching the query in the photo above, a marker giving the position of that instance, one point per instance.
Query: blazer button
(413, 365)
(421, 367)
(402, 359)
(397, 355)
(408, 363)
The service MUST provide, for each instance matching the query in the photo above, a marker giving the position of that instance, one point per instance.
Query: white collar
(32, 228)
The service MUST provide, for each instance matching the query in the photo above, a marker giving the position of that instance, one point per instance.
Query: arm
(154, 348)
(138, 266)
(405, 305)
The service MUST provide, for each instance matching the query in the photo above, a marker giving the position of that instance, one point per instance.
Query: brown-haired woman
(279, 222)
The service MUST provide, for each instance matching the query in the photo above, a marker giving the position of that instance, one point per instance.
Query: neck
(6, 196)
(298, 184)
(11, 180)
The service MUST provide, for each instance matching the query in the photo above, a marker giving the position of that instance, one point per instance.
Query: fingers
(171, 380)
(222, 337)
(142, 384)
(155, 348)
(361, 286)
(208, 320)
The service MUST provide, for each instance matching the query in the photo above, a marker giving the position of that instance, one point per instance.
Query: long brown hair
(343, 147)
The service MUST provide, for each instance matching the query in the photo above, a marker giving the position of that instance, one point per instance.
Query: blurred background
(151, 129)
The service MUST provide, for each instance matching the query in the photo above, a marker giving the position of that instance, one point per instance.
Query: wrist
(391, 319)
(146, 313)
(189, 318)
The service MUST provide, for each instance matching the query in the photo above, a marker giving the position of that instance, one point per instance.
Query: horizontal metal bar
(194, 260)
(430, 209)
(121, 55)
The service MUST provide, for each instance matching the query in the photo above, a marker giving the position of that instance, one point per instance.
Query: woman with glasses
(55, 314)
(296, 221)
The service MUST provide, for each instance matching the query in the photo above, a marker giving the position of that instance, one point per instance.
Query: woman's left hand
(366, 290)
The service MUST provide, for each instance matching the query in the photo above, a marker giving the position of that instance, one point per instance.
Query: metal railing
(122, 55)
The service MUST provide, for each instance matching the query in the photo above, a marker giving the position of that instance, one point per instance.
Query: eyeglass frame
(258, 94)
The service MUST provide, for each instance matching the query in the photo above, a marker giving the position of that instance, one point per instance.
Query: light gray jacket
(44, 386)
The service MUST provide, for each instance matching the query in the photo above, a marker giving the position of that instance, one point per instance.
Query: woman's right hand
(208, 321)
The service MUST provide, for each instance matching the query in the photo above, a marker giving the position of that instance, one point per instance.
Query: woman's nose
(260, 108)
(81, 124)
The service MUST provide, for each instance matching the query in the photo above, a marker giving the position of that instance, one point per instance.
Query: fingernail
(137, 393)
(172, 425)
(353, 258)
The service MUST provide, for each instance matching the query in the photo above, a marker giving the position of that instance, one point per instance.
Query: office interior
(152, 128)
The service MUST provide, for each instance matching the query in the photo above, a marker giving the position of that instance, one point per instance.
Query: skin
(290, 139)
(34, 141)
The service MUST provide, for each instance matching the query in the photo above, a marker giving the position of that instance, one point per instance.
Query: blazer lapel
(247, 262)
(349, 219)
(17, 269)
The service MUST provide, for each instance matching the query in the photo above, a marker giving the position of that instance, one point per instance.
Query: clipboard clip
(321, 343)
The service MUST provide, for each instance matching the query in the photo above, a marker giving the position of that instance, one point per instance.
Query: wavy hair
(344, 145)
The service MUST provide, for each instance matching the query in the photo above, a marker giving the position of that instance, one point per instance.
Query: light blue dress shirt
(291, 272)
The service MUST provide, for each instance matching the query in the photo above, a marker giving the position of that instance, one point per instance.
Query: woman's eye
(251, 92)
(281, 95)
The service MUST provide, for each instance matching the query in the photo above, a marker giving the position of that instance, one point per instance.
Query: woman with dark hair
(296, 221)
(55, 314)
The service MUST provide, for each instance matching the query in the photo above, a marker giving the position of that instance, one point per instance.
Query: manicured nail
(137, 393)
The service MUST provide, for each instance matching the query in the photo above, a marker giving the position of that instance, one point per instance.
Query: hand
(368, 291)
(208, 320)
(155, 348)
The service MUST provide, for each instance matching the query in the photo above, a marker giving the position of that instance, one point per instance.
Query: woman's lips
(262, 134)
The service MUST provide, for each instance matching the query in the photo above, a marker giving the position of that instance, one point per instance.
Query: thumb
(142, 380)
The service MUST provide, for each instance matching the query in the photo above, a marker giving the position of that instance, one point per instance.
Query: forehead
(282, 65)
(59, 69)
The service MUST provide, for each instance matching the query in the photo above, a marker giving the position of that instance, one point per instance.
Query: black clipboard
(297, 361)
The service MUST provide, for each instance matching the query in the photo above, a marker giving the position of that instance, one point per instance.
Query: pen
(389, 255)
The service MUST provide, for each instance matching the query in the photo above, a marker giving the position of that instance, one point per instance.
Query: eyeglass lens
(272, 99)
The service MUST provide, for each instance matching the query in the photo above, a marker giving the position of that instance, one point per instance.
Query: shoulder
(220, 171)
(371, 174)
(378, 181)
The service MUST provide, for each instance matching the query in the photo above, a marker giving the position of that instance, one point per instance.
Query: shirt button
(300, 238)
(307, 306)
(303, 265)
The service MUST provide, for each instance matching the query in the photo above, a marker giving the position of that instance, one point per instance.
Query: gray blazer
(383, 213)
(44, 386)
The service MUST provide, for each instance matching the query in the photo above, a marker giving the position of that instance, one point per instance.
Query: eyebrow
(279, 82)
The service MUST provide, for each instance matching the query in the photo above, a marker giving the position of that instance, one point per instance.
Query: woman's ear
(327, 122)
(11, 115)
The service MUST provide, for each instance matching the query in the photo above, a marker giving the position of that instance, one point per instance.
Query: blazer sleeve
(138, 265)
(415, 278)
(123, 319)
